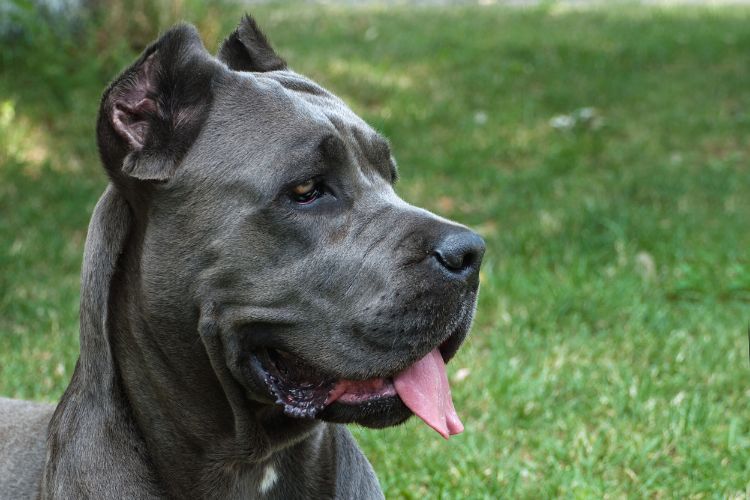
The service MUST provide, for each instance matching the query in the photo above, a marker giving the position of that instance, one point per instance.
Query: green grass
(609, 354)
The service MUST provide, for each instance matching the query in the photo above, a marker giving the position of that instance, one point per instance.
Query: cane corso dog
(250, 283)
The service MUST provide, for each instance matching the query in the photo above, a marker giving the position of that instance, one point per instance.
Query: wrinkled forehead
(282, 114)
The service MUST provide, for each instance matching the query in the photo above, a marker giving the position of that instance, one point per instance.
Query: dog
(250, 283)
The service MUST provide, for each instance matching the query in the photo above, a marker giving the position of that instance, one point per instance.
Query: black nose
(460, 253)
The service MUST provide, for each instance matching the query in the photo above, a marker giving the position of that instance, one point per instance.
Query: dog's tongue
(423, 387)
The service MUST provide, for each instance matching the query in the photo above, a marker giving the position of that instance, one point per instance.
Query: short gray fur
(195, 256)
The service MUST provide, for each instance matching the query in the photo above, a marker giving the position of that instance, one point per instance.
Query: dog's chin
(376, 413)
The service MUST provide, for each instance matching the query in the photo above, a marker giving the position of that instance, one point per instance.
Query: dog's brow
(393, 168)
(333, 148)
(382, 156)
(382, 148)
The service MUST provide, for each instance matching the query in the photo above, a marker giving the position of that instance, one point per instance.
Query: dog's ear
(248, 49)
(151, 114)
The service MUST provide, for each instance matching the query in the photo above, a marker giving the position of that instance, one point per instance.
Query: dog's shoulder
(23, 433)
(356, 477)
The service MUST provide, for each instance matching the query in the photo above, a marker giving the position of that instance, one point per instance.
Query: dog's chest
(260, 483)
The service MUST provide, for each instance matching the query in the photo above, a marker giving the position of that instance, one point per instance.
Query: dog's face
(279, 226)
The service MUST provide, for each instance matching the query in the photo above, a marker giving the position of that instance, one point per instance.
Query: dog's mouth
(304, 391)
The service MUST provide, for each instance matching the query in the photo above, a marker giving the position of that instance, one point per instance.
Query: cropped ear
(248, 49)
(152, 113)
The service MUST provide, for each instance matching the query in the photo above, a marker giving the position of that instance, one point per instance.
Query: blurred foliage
(139, 21)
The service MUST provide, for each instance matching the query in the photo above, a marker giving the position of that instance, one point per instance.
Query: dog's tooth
(291, 411)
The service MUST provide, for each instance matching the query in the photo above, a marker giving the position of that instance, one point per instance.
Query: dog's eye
(307, 192)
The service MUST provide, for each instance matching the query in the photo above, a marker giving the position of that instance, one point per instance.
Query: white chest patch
(269, 479)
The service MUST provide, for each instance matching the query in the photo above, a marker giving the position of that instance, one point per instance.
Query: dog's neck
(200, 441)
(149, 419)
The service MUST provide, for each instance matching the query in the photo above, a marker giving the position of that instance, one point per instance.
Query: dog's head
(267, 222)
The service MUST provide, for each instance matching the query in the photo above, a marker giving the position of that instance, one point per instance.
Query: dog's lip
(364, 391)
(301, 397)
(304, 390)
(449, 347)
(354, 392)
(307, 396)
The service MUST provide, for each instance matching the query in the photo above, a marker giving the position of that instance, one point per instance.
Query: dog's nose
(460, 253)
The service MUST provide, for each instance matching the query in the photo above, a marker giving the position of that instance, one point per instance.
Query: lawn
(602, 153)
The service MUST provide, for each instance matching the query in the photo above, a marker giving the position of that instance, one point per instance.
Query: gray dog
(251, 281)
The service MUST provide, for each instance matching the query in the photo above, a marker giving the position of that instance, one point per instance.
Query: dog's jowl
(251, 282)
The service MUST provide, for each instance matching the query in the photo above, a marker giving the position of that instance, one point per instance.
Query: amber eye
(307, 192)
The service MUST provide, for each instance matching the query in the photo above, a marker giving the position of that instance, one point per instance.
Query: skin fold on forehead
(271, 119)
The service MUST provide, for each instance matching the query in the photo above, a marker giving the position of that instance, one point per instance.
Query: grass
(602, 153)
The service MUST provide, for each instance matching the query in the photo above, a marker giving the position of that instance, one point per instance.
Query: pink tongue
(423, 387)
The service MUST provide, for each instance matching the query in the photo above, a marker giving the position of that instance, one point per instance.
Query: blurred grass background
(603, 154)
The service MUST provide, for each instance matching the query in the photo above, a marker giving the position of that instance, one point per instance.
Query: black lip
(301, 399)
(449, 347)
(378, 412)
